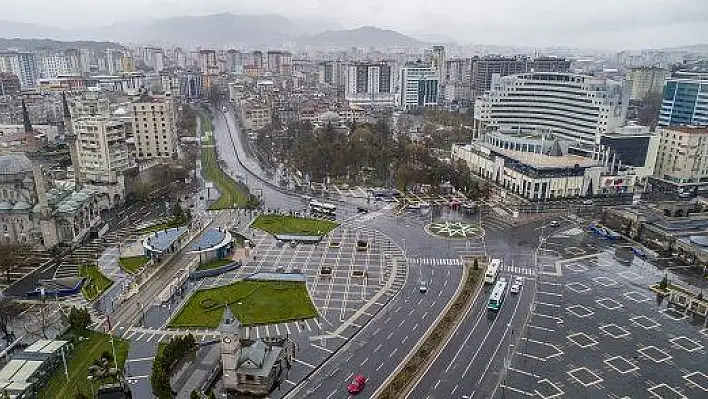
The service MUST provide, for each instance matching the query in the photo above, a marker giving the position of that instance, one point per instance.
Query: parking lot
(597, 331)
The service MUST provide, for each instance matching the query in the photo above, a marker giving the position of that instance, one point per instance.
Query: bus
(497, 298)
(490, 276)
(321, 208)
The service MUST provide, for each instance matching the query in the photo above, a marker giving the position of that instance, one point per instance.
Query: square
(621, 365)
(580, 311)
(605, 281)
(655, 354)
(548, 390)
(686, 344)
(582, 340)
(584, 376)
(664, 391)
(608, 303)
(644, 322)
(614, 331)
(636, 296)
(697, 379)
(578, 287)
(576, 267)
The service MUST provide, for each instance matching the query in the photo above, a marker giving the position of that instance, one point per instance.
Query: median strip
(400, 383)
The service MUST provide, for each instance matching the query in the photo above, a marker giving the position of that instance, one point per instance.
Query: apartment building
(154, 128)
(646, 81)
(369, 83)
(419, 85)
(682, 158)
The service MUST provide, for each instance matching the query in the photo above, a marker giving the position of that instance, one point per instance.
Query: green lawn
(162, 226)
(262, 302)
(79, 360)
(96, 282)
(133, 263)
(233, 194)
(214, 264)
(279, 224)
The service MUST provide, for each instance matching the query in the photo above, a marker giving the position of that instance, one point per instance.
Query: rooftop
(13, 164)
(688, 129)
(210, 239)
(160, 241)
(543, 161)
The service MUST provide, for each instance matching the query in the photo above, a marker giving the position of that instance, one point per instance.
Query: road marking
(140, 359)
(393, 352)
(377, 348)
(296, 360)
(380, 365)
(364, 362)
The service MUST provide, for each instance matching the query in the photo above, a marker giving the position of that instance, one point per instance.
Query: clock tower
(230, 329)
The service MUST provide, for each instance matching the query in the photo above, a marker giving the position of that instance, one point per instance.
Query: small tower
(71, 141)
(230, 329)
(25, 118)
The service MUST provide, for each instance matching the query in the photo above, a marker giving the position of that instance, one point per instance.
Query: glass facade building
(685, 102)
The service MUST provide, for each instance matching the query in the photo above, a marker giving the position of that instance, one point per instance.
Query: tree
(475, 264)
(9, 309)
(14, 256)
(79, 318)
(664, 283)
(194, 395)
(177, 211)
(648, 112)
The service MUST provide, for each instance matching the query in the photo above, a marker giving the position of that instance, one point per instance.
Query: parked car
(554, 223)
(516, 286)
(357, 385)
(587, 202)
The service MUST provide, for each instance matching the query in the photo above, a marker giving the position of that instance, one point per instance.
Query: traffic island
(451, 229)
(435, 339)
(292, 225)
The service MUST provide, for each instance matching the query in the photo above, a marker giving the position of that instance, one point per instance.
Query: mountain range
(223, 29)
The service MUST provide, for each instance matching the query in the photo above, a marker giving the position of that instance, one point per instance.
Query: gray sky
(610, 24)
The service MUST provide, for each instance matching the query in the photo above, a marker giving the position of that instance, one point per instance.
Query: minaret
(71, 141)
(26, 119)
(230, 329)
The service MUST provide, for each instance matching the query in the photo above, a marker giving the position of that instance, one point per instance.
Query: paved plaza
(596, 331)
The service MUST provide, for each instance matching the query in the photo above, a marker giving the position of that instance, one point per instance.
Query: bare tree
(42, 319)
(14, 256)
(9, 309)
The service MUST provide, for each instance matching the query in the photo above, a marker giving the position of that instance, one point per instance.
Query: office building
(576, 107)
(487, 70)
(52, 65)
(439, 62)
(279, 63)
(369, 83)
(685, 100)
(682, 158)
(154, 129)
(646, 81)
(419, 85)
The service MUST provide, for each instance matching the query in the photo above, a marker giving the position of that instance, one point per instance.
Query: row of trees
(165, 359)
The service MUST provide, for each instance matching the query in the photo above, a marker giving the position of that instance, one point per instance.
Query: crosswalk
(457, 262)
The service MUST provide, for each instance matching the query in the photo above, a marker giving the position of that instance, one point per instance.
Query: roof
(543, 161)
(159, 241)
(229, 323)
(13, 164)
(210, 239)
(687, 129)
(258, 359)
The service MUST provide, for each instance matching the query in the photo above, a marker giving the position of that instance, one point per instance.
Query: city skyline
(609, 25)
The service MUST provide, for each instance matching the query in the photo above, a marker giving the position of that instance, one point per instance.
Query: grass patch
(233, 194)
(133, 263)
(404, 377)
(262, 302)
(95, 283)
(214, 264)
(83, 355)
(175, 222)
(280, 224)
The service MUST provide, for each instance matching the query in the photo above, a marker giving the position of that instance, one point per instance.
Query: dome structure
(13, 164)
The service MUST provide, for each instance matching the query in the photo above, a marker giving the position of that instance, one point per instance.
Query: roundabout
(455, 229)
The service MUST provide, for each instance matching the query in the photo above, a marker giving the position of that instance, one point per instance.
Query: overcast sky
(609, 24)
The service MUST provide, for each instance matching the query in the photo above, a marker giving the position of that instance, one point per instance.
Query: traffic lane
(383, 344)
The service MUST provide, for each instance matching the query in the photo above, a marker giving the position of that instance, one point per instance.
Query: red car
(357, 384)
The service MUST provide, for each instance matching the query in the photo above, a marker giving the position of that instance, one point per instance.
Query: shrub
(79, 318)
(664, 283)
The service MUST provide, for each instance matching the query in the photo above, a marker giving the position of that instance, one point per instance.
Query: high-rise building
(154, 127)
(646, 81)
(52, 65)
(257, 59)
(332, 73)
(73, 61)
(488, 70)
(683, 155)
(369, 83)
(28, 73)
(575, 107)
(685, 99)
(419, 85)
(101, 143)
(9, 84)
(439, 62)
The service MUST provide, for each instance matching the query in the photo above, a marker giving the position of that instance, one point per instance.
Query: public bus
(490, 276)
(322, 209)
(497, 298)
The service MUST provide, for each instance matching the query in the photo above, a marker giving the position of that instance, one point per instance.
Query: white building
(646, 81)
(369, 83)
(576, 107)
(154, 128)
(419, 85)
(682, 158)
(52, 65)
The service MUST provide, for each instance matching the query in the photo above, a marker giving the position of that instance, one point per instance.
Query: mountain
(696, 48)
(364, 36)
(23, 30)
(55, 45)
(435, 38)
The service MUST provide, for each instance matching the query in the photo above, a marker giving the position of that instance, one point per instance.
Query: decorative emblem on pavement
(455, 229)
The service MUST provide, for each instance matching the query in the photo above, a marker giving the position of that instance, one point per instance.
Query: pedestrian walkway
(436, 261)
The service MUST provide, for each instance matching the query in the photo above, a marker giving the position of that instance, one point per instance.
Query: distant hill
(364, 36)
(22, 30)
(48, 44)
(697, 48)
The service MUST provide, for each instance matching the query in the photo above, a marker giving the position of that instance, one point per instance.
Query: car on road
(587, 202)
(362, 210)
(516, 286)
(638, 252)
(554, 223)
(357, 385)
(423, 286)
